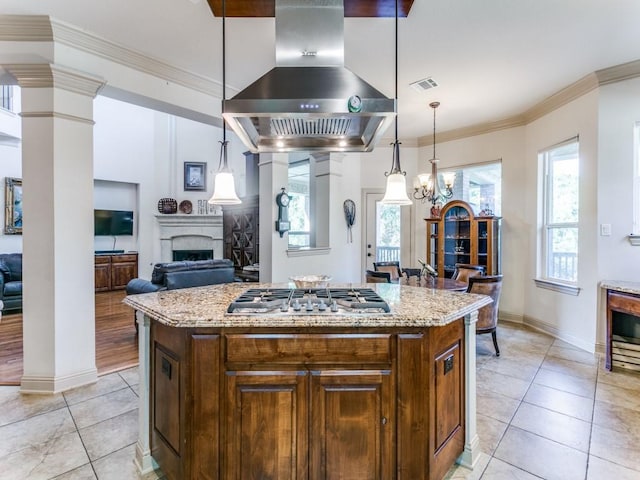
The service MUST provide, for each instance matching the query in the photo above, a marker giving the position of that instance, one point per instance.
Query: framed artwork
(13, 206)
(195, 176)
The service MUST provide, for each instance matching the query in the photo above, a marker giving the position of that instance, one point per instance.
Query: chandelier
(426, 186)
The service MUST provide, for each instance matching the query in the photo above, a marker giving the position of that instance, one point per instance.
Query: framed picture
(195, 176)
(13, 206)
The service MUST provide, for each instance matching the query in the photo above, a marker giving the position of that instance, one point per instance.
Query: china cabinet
(458, 236)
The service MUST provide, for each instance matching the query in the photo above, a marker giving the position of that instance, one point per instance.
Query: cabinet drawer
(308, 349)
(124, 258)
(626, 303)
(102, 259)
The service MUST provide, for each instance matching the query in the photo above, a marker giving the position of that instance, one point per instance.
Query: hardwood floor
(116, 339)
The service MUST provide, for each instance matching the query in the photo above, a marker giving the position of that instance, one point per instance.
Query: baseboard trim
(556, 333)
(510, 317)
(50, 385)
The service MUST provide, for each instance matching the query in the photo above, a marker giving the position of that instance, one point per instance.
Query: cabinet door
(457, 238)
(123, 269)
(266, 425)
(352, 425)
(102, 273)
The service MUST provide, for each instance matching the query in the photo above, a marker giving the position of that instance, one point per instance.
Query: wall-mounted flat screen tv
(113, 222)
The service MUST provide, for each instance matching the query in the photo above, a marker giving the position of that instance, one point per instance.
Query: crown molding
(618, 73)
(44, 75)
(25, 28)
(473, 130)
(38, 28)
(586, 84)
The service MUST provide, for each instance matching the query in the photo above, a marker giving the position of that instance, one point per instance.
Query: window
(300, 205)
(480, 186)
(560, 213)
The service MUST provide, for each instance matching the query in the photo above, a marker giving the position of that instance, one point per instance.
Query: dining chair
(412, 272)
(490, 285)
(392, 267)
(464, 271)
(378, 277)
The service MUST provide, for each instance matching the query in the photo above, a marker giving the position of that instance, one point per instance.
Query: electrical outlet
(605, 229)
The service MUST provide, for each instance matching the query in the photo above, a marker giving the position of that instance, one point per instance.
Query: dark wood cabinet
(241, 228)
(308, 404)
(623, 330)
(113, 271)
(458, 236)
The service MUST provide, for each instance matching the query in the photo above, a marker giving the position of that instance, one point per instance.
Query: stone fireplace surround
(190, 232)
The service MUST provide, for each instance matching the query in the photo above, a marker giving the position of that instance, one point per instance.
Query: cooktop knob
(309, 306)
(334, 306)
(322, 306)
(296, 305)
(284, 307)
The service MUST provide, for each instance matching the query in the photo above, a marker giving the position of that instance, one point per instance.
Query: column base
(470, 454)
(49, 385)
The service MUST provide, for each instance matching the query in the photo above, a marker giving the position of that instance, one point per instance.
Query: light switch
(605, 229)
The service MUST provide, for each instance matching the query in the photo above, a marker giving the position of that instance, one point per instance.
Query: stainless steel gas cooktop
(308, 301)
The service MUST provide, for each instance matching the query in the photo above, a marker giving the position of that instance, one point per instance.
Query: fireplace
(193, 233)
(192, 255)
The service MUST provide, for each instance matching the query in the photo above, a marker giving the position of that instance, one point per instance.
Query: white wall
(572, 318)
(619, 110)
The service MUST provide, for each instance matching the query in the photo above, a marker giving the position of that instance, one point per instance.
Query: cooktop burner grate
(308, 301)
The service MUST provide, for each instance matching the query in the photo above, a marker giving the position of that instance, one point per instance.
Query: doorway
(388, 231)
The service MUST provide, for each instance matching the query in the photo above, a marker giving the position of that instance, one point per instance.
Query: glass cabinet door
(483, 235)
(457, 238)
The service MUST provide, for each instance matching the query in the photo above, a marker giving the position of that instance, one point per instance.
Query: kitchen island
(306, 394)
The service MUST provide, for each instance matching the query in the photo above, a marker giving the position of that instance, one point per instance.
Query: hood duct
(309, 101)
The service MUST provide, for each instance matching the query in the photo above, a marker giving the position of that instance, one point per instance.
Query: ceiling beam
(352, 8)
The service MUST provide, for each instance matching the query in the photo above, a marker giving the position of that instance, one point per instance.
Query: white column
(144, 461)
(274, 170)
(471, 450)
(58, 272)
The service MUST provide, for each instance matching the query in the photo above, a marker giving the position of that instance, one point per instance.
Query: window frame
(547, 226)
(635, 232)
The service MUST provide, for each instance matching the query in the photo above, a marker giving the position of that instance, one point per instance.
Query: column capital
(46, 75)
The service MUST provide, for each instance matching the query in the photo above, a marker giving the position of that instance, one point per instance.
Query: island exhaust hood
(309, 101)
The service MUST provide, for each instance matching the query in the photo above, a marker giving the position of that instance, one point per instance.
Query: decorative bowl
(311, 281)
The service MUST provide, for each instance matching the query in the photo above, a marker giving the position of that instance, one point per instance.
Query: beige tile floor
(545, 410)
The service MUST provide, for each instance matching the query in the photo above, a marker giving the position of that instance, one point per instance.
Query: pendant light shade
(396, 191)
(224, 188)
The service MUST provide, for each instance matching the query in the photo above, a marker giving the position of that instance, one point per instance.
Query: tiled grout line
(521, 401)
(73, 419)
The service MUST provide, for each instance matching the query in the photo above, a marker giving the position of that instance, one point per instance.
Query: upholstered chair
(393, 268)
(378, 277)
(464, 271)
(491, 286)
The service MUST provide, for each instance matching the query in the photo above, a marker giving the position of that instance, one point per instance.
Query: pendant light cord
(223, 150)
(396, 78)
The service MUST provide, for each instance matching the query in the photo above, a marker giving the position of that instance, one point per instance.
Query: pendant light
(426, 186)
(224, 188)
(396, 192)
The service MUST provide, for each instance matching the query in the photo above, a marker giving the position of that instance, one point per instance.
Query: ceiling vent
(424, 84)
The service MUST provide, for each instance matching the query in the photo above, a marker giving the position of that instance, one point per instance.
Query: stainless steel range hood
(309, 101)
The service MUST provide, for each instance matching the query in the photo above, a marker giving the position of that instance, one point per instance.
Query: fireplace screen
(182, 255)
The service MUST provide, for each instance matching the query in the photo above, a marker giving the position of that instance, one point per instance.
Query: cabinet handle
(384, 420)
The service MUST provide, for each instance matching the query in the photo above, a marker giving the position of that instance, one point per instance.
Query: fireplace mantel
(190, 232)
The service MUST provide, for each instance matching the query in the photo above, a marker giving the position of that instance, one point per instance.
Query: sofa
(11, 281)
(175, 275)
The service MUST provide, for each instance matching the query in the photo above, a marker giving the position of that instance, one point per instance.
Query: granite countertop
(621, 286)
(207, 306)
